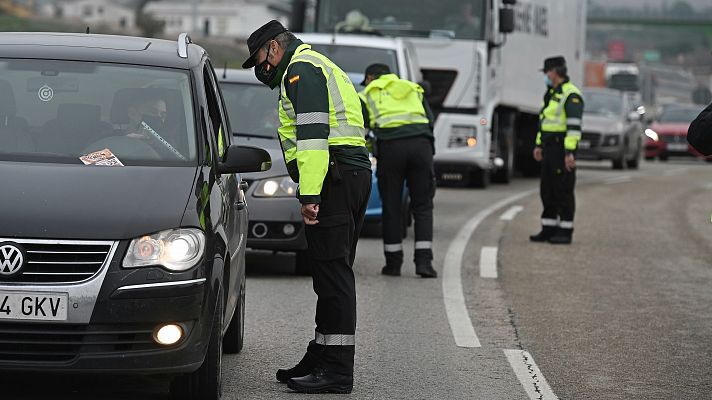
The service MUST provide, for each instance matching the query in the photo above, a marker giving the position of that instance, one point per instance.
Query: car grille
(59, 261)
(673, 138)
(592, 137)
(27, 342)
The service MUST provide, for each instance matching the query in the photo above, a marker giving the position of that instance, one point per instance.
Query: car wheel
(619, 163)
(663, 157)
(634, 163)
(303, 263)
(235, 335)
(206, 382)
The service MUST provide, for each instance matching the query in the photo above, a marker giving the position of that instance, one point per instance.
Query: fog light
(471, 142)
(259, 230)
(288, 229)
(168, 334)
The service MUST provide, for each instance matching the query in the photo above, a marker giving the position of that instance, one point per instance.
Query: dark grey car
(612, 127)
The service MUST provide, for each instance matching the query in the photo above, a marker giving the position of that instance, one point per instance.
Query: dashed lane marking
(618, 179)
(457, 315)
(529, 375)
(511, 213)
(488, 262)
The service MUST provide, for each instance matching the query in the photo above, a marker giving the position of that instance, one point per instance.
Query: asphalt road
(623, 313)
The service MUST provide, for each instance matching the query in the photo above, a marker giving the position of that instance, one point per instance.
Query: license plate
(33, 306)
(677, 146)
(584, 144)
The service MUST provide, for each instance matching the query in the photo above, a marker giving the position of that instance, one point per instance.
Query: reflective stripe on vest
(553, 117)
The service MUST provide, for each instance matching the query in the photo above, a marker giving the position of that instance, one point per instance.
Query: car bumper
(119, 336)
(599, 153)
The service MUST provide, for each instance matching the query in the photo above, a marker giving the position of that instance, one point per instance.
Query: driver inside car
(151, 111)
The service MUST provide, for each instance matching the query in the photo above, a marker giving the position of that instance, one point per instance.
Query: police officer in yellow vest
(323, 140)
(397, 112)
(556, 143)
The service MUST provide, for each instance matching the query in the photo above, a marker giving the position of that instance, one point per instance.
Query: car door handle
(244, 186)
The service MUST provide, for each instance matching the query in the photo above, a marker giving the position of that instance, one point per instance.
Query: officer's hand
(309, 213)
(537, 154)
(570, 162)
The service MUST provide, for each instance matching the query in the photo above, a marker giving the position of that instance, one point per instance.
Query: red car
(667, 136)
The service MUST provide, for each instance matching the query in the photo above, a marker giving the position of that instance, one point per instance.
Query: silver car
(612, 127)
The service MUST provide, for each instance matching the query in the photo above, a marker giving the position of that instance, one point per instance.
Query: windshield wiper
(252, 135)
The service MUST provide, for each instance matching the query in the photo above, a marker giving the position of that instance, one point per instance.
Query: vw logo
(11, 259)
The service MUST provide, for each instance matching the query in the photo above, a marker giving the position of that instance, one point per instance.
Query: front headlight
(652, 134)
(175, 249)
(281, 186)
(462, 136)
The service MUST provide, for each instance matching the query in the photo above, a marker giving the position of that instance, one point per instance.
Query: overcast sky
(641, 3)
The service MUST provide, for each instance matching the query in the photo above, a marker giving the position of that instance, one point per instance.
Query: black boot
(394, 260)
(321, 380)
(304, 367)
(425, 270)
(546, 233)
(562, 236)
(423, 259)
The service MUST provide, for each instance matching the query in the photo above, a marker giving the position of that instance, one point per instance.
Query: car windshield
(681, 115)
(603, 103)
(455, 19)
(354, 59)
(59, 111)
(252, 109)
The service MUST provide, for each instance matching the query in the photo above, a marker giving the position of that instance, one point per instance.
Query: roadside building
(107, 13)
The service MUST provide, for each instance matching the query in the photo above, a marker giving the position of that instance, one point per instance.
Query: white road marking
(488, 262)
(618, 179)
(529, 375)
(511, 213)
(457, 314)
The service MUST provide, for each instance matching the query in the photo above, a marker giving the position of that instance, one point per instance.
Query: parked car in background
(667, 135)
(612, 127)
(123, 216)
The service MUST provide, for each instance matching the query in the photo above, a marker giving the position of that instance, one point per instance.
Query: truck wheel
(206, 382)
(505, 142)
(480, 178)
(303, 264)
(235, 335)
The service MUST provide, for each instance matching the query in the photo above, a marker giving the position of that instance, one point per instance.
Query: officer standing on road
(397, 112)
(323, 141)
(556, 143)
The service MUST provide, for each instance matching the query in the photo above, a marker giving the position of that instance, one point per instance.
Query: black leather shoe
(322, 381)
(562, 236)
(425, 271)
(391, 271)
(546, 233)
(305, 366)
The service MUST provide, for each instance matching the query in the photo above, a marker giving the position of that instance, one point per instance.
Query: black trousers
(400, 161)
(557, 186)
(332, 247)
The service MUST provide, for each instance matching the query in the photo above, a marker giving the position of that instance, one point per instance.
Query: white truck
(482, 60)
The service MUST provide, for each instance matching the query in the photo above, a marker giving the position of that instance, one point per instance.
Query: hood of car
(670, 128)
(61, 201)
(272, 146)
(600, 123)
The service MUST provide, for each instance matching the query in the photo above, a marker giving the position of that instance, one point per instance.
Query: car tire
(234, 338)
(663, 157)
(302, 263)
(634, 163)
(619, 163)
(206, 382)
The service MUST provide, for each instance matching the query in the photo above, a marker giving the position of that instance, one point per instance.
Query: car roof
(341, 39)
(97, 48)
(237, 76)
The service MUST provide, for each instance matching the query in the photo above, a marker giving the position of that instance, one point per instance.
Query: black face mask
(156, 123)
(261, 72)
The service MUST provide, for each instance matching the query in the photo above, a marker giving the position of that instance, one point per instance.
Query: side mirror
(506, 20)
(241, 159)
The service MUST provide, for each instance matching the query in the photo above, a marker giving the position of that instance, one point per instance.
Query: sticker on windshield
(45, 93)
(102, 158)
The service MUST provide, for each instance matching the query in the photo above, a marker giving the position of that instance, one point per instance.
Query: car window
(603, 103)
(252, 109)
(216, 122)
(681, 115)
(58, 111)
